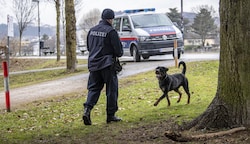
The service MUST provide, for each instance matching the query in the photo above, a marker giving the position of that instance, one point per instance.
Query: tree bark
(231, 105)
(58, 54)
(70, 35)
(20, 43)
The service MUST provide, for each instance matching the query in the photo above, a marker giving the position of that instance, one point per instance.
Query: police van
(145, 33)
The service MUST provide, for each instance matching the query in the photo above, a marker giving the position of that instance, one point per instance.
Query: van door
(126, 35)
(117, 24)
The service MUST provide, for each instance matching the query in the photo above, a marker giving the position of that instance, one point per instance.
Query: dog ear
(166, 69)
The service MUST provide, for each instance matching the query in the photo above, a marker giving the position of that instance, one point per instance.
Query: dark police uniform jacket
(103, 44)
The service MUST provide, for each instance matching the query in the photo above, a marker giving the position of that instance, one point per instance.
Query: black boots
(112, 118)
(87, 121)
(86, 116)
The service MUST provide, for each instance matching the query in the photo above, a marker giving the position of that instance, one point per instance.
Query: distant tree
(63, 26)
(58, 25)
(3, 41)
(59, 5)
(45, 37)
(24, 13)
(78, 7)
(58, 43)
(70, 35)
(175, 16)
(13, 44)
(90, 19)
(204, 23)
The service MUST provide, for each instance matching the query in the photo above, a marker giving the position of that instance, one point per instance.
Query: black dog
(172, 82)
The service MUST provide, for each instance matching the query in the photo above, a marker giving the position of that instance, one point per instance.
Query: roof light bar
(139, 10)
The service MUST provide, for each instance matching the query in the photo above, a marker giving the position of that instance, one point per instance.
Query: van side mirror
(126, 28)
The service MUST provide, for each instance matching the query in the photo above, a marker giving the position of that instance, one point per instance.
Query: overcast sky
(47, 11)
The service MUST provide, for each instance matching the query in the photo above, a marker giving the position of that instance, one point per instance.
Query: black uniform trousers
(96, 82)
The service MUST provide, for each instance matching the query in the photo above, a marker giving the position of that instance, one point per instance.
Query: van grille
(162, 37)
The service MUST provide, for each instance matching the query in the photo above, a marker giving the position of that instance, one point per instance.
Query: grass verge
(59, 119)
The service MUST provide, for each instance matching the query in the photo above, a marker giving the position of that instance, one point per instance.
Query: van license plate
(165, 49)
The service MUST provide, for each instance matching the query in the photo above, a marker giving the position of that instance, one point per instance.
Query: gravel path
(70, 84)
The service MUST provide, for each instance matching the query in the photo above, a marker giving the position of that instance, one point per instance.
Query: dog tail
(184, 67)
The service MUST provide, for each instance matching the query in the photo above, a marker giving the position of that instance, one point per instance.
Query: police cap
(108, 14)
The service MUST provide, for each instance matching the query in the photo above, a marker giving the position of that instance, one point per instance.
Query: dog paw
(155, 104)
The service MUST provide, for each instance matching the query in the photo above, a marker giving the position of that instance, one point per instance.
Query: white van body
(146, 33)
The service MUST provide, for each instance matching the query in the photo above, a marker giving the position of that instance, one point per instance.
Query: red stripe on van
(159, 34)
(128, 39)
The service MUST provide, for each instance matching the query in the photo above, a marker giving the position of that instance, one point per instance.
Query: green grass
(58, 120)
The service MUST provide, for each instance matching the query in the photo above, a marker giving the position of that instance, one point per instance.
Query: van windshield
(150, 20)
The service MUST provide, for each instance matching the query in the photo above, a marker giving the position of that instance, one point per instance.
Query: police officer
(104, 45)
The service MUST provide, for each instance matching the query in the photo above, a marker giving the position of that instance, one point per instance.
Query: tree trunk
(231, 105)
(20, 43)
(70, 35)
(57, 4)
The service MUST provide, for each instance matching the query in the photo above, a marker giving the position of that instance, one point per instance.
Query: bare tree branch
(90, 19)
(24, 13)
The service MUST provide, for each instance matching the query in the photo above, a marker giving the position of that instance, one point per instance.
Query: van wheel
(136, 56)
(145, 56)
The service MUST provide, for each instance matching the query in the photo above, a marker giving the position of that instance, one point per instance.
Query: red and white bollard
(6, 85)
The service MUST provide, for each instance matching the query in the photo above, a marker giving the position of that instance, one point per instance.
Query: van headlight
(179, 34)
(143, 38)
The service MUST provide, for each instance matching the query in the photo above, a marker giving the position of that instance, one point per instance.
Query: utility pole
(182, 21)
(39, 42)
